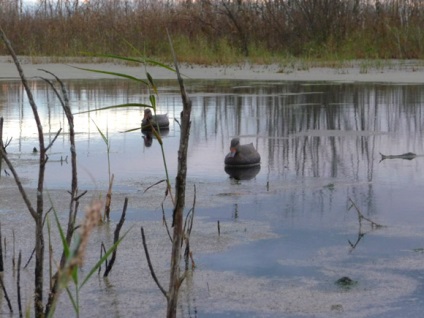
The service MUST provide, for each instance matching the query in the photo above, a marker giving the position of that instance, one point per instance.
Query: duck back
(245, 156)
(158, 121)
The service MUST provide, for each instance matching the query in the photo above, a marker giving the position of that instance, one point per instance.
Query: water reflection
(320, 146)
(244, 173)
(312, 134)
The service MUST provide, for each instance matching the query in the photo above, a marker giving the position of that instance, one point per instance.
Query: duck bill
(232, 152)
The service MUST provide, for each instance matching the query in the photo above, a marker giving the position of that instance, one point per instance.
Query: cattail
(93, 217)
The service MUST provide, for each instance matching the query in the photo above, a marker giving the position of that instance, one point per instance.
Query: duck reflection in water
(243, 161)
(148, 137)
(243, 174)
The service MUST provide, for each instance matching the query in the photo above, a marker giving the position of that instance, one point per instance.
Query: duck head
(147, 114)
(235, 142)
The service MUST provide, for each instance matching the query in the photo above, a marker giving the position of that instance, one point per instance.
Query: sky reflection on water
(320, 146)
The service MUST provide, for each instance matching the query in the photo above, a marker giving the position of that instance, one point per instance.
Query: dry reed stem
(109, 199)
(93, 217)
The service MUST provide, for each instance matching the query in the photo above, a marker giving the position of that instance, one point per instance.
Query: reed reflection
(304, 133)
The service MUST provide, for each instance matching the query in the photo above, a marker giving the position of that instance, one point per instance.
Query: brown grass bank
(224, 32)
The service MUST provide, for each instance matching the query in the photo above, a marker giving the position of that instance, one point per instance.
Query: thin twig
(164, 180)
(102, 250)
(109, 199)
(79, 197)
(18, 284)
(116, 238)
(19, 184)
(54, 139)
(165, 223)
(361, 216)
(152, 271)
(1, 253)
(6, 296)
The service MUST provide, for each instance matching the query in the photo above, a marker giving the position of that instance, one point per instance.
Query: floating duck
(242, 156)
(159, 122)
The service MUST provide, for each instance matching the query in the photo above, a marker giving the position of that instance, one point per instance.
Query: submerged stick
(362, 217)
(1, 142)
(149, 263)
(18, 284)
(165, 223)
(6, 296)
(116, 238)
(1, 253)
(188, 226)
(102, 250)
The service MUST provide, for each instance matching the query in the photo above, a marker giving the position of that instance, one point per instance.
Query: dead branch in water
(361, 217)
(1, 142)
(18, 284)
(180, 187)
(1, 253)
(102, 250)
(149, 263)
(361, 233)
(63, 98)
(6, 296)
(188, 226)
(116, 238)
(165, 223)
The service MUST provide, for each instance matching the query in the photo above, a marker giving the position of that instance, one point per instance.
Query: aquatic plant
(37, 212)
(180, 231)
(106, 140)
(71, 258)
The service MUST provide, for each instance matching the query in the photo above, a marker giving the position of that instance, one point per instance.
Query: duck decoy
(160, 121)
(242, 156)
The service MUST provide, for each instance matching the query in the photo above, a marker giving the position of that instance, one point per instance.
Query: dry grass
(217, 32)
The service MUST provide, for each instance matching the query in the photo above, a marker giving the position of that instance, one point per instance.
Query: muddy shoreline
(392, 71)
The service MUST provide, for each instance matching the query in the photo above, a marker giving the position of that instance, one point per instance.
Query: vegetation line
(218, 31)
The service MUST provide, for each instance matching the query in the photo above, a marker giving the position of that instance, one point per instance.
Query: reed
(220, 31)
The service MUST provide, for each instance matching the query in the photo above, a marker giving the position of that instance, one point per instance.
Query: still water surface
(320, 145)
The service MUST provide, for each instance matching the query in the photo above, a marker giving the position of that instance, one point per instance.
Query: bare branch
(152, 271)
(19, 184)
(54, 139)
(116, 239)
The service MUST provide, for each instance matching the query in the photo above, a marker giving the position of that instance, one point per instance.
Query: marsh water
(320, 145)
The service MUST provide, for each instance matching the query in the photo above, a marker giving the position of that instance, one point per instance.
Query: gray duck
(242, 156)
(160, 121)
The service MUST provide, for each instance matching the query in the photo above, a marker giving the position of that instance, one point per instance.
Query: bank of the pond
(393, 71)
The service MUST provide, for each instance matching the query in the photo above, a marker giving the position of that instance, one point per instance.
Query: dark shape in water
(243, 174)
(407, 156)
(346, 281)
(148, 136)
(242, 156)
(160, 122)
